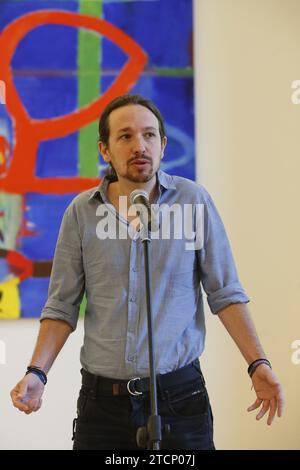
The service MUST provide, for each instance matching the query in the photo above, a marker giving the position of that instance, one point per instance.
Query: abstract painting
(61, 62)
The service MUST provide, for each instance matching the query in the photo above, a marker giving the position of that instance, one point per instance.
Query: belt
(136, 386)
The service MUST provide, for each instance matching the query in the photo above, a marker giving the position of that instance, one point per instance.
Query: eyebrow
(148, 128)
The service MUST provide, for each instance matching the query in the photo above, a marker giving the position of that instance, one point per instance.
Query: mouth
(140, 163)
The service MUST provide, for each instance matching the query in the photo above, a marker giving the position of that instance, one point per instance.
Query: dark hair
(124, 101)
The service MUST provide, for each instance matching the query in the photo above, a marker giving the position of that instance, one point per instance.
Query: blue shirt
(111, 272)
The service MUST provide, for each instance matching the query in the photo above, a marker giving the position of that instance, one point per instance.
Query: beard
(136, 175)
(139, 168)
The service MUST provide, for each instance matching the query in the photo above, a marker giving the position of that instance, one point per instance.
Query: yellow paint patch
(10, 299)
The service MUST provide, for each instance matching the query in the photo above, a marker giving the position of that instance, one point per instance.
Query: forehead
(134, 116)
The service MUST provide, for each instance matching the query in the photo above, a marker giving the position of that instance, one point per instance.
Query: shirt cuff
(57, 310)
(231, 294)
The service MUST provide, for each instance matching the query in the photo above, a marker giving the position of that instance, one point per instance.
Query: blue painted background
(163, 28)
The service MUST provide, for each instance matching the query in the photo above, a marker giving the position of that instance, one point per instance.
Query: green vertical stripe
(89, 60)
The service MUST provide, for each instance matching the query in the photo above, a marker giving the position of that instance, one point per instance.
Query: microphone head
(136, 194)
(139, 197)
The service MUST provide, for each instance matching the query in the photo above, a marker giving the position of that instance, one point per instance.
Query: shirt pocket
(183, 283)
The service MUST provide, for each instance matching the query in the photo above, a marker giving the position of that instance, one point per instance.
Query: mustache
(140, 157)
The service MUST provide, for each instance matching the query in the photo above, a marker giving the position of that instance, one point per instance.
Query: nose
(139, 146)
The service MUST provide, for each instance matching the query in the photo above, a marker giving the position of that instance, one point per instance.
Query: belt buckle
(135, 393)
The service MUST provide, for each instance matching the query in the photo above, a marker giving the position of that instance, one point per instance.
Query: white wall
(247, 55)
(51, 426)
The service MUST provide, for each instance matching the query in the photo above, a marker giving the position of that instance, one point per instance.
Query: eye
(125, 137)
(149, 135)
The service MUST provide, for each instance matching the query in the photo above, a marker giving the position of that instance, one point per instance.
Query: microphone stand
(151, 435)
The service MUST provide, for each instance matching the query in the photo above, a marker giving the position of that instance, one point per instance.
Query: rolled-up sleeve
(67, 281)
(217, 267)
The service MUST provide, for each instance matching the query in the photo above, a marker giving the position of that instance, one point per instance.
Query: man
(114, 399)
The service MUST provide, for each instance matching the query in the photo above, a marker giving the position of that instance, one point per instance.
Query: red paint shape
(19, 265)
(4, 152)
(30, 132)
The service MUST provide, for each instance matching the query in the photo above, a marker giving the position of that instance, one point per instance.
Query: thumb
(22, 390)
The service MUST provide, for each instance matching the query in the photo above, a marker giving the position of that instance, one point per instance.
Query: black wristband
(252, 367)
(37, 371)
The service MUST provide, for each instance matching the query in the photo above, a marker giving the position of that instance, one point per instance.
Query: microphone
(140, 199)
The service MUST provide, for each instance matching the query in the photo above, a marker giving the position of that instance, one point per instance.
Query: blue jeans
(111, 422)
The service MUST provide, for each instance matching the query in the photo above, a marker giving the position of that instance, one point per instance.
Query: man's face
(134, 147)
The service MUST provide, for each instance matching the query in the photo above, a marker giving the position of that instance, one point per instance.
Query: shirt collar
(101, 190)
(165, 180)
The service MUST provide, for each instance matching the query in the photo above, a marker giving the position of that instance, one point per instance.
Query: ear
(163, 146)
(103, 149)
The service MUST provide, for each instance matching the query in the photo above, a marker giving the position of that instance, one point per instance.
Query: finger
(21, 391)
(265, 407)
(255, 405)
(14, 394)
(20, 406)
(272, 412)
(34, 405)
(280, 404)
(17, 401)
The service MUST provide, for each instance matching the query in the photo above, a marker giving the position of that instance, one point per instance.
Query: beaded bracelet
(37, 371)
(253, 366)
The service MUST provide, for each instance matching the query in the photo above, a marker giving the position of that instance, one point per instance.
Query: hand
(269, 393)
(26, 395)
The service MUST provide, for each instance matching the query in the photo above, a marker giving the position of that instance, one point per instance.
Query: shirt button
(131, 299)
